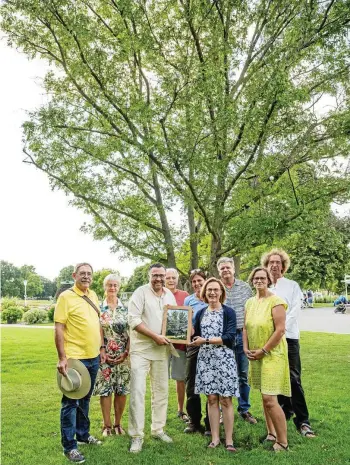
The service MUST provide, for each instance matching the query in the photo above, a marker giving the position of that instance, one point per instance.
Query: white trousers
(158, 371)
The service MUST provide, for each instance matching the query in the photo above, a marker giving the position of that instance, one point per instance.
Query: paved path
(322, 320)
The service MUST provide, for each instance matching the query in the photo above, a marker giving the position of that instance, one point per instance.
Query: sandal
(306, 431)
(182, 416)
(118, 430)
(230, 448)
(212, 445)
(106, 431)
(269, 440)
(281, 447)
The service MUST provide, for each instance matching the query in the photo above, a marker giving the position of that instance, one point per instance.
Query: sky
(38, 227)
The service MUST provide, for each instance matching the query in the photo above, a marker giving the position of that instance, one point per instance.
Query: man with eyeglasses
(78, 335)
(277, 262)
(237, 293)
(149, 354)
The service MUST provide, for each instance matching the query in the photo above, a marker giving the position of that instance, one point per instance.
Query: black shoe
(191, 428)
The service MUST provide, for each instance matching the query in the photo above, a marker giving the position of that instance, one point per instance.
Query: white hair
(112, 277)
(225, 260)
(173, 270)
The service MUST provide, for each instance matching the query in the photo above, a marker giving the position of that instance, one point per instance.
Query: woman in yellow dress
(266, 348)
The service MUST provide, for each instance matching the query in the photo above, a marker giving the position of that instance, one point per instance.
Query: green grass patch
(31, 405)
(319, 305)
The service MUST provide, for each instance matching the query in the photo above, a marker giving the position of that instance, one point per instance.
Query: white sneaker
(136, 445)
(163, 437)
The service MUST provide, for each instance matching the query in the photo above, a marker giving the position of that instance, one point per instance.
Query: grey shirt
(236, 297)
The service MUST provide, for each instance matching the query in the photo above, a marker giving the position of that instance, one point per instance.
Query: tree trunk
(237, 262)
(193, 238)
(214, 255)
(168, 241)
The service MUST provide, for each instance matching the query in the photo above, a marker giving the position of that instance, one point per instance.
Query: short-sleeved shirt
(82, 337)
(196, 304)
(236, 298)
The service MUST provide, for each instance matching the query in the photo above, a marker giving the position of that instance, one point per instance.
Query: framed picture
(177, 323)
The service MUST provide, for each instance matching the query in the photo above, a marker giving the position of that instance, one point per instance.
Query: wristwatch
(207, 341)
(102, 347)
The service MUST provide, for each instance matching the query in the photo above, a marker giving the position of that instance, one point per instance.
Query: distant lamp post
(25, 282)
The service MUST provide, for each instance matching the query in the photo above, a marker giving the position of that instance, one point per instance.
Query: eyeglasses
(157, 276)
(113, 285)
(215, 291)
(259, 279)
(195, 270)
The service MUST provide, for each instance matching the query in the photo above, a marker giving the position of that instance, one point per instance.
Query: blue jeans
(75, 413)
(242, 369)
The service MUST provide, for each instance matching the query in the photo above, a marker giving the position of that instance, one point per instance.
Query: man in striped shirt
(237, 293)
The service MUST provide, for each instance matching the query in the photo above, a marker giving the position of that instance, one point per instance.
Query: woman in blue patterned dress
(216, 377)
(113, 376)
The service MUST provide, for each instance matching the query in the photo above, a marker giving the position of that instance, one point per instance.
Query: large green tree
(177, 120)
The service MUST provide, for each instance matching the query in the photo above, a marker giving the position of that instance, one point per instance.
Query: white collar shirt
(145, 306)
(290, 291)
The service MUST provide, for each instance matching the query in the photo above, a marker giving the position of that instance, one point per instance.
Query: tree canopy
(175, 122)
(12, 282)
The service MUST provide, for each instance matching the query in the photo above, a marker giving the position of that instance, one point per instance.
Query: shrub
(11, 314)
(50, 312)
(7, 302)
(322, 299)
(35, 315)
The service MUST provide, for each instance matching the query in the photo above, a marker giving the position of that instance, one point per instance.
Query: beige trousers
(158, 371)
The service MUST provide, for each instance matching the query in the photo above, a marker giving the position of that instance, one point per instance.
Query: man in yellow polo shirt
(78, 335)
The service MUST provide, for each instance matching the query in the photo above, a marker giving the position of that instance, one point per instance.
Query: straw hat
(77, 383)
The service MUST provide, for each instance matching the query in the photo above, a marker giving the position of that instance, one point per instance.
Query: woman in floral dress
(216, 376)
(113, 376)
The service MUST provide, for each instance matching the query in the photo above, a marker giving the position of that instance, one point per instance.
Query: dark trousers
(193, 402)
(75, 423)
(297, 403)
(242, 371)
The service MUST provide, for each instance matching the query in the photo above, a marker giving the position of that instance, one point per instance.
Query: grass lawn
(31, 403)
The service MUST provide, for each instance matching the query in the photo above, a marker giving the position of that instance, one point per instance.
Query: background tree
(49, 288)
(212, 112)
(65, 275)
(137, 279)
(11, 280)
(318, 248)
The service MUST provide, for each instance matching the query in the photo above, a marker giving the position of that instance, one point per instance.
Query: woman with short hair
(216, 377)
(266, 348)
(113, 376)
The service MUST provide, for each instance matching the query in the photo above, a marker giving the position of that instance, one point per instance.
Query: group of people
(234, 333)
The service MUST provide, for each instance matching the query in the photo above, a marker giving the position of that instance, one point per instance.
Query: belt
(239, 330)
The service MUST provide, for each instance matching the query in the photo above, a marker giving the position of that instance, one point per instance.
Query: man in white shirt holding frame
(277, 262)
(149, 354)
